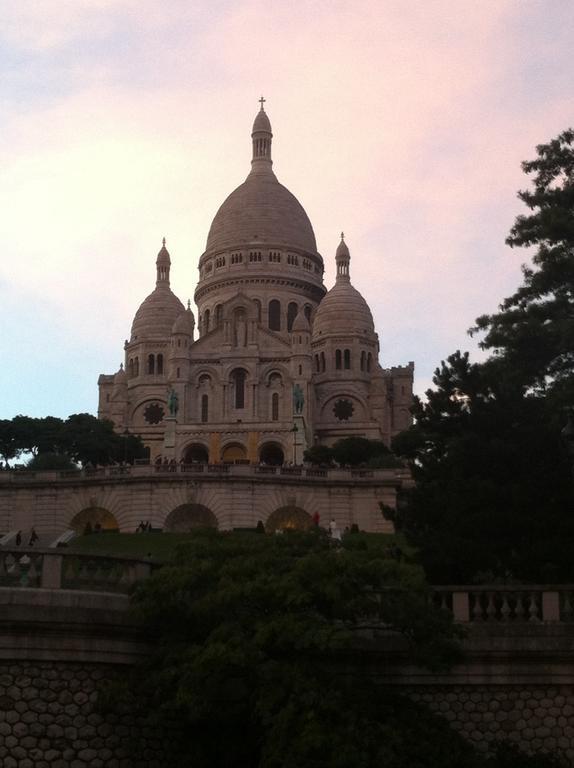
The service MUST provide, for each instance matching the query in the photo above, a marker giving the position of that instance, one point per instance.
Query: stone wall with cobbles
(49, 718)
(537, 718)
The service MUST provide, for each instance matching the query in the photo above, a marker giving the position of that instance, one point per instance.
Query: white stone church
(274, 362)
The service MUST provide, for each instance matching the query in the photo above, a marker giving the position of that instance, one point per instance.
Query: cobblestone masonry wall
(535, 718)
(49, 719)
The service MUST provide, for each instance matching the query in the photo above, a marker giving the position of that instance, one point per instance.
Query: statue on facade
(172, 402)
(298, 398)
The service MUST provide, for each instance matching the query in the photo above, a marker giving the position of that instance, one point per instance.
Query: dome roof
(343, 310)
(157, 313)
(185, 323)
(261, 210)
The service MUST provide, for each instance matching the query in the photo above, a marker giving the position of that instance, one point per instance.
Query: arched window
(323, 363)
(131, 368)
(292, 310)
(275, 407)
(307, 311)
(150, 364)
(218, 315)
(317, 364)
(338, 365)
(369, 361)
(177, 374)
(137, 366)
(160, 364)
(204, 409)
(239, 386)
(275, 315)
(363, 360)
(300, 370)
(258, 309)
(347, 359)
(206, 321)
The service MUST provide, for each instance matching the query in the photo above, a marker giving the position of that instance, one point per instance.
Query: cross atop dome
(262, 102)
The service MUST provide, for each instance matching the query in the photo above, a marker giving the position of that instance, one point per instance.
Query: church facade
(272, 362)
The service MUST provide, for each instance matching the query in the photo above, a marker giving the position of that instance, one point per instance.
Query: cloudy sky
(403, 122)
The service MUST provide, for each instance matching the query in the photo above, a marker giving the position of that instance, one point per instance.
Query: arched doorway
(196, 454)
(232, 453)
(289, 518)
(93, 519)
(272, 454)
(186, 517)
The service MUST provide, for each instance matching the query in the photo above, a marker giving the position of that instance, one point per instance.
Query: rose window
(154, 413)
(343, 410)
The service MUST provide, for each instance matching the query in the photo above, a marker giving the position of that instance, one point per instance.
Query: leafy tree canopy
(494, 483)
(353, 451)
(256, 637)
(80, 438)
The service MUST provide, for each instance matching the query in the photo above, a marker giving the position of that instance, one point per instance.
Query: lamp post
(295, 430)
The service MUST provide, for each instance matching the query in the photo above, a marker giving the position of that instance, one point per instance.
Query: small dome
(301, 324)
(343, 311)
(261, 122)
(185, 323)
(157, 314)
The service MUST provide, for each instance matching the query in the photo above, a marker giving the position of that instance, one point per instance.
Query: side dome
(159, 311)
(157, 314)
(261, 210)
(343, 310)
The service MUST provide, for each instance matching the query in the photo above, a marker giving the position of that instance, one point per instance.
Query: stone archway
(272, 454)
(289, 518)
(93, 519)
(196, 453)
(186, 517)
(233, 452)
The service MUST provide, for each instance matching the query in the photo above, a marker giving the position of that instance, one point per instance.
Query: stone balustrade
(56, 569)
(508, 604)
(239, 470)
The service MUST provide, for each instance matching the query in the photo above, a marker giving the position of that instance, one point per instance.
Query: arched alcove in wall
(233, 452)
(289, 518)
(186, 517)
(271, 454)
(94, 518)
(194, 453)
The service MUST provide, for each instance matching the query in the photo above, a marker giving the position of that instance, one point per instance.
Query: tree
(256, 637)
(494, 491)
(493, 488)
(88, 439)
(9, 447)
(534, 328)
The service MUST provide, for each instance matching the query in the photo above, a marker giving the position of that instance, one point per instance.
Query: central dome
(261, 210)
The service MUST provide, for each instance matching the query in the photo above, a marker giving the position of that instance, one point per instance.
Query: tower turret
(163, 263)
(261, 136)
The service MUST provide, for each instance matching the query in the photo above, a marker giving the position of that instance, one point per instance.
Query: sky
(401, 122)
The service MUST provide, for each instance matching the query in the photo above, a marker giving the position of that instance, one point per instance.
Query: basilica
(271, 362)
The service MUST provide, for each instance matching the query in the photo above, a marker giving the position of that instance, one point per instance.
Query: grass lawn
(160, 546)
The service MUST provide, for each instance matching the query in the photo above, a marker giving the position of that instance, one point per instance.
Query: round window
(343, 410)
